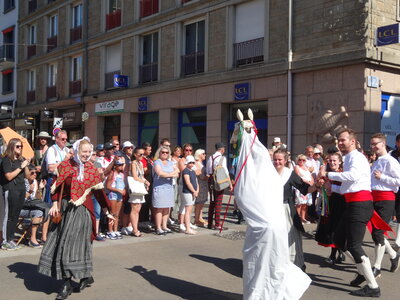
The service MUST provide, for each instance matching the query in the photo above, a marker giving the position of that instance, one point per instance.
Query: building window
(113, 64)
(76, 30)
(53, 31)
(51, 90)
(193, 59)
(192, 124)
(31, 89)
(113, 17)
(31, 41)
(76, 75)
(32, 5)
(9, 5)
(148, 7)
(249, 33)
(148, 129)
(8, 81)
(148, 71)
(7, 49)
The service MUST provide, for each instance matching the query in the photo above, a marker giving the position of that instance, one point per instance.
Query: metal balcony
(31, 51)
(7, 56)
(51, 92)
(30, 96)
(148, 8)
(148, 73)
(76, 34)
(32, 5)
(113, 19)
(248, 52)
(75, 87)
(192, 63)
(51, 43)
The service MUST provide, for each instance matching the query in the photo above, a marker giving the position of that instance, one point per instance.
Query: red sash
(358, 196)
(383, 195)
(377, 223)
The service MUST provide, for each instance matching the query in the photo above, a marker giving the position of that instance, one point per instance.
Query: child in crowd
(115, 184)
(190, 191)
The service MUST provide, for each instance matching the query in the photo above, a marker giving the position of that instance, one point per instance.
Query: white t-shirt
(55, 155)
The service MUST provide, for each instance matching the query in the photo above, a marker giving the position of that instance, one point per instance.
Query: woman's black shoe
(341, 258)
(85, 282)
(65, 290)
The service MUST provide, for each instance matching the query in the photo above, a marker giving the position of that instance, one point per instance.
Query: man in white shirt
(356, 188)
(214, 210)
(385, 182)
(54, 156)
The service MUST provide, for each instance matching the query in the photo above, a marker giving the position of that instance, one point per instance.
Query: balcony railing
(51, 43)
(109, 83)
(148, 73)
(75, 87)
(76, 34)
(7, 56)
(193, 63)
(148, 7)
(248, 52)
(9, 5)
(30, 96)
(113, 19)
(32, 5)
(185, 1)
(31, 51)
(51, 92)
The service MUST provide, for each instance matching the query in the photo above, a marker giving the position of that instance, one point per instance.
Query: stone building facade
(306, 68)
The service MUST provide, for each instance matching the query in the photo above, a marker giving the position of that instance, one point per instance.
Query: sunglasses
(63, 139)
(33, 173)
(189, 150)
(19, 146)
(139, 154)
(164, 152)
(128, 148)
(302, 160)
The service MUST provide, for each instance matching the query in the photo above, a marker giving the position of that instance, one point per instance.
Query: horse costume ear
(239, 115)
(250, 114)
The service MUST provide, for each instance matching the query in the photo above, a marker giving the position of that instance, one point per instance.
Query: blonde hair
(301, 156)
(157, 154)
(198, 153)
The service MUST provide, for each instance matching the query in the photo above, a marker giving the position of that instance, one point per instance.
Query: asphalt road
(178, 266)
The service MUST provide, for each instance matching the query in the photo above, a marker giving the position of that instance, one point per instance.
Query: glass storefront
(148, 129)
(192, 127)
(112, 127)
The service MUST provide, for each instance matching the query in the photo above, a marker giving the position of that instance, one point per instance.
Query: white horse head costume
(267, 270)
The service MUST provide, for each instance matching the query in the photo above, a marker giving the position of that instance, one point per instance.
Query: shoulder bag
(221, 176)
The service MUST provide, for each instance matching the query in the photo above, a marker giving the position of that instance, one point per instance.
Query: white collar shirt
(356, 175)
(390, 177)
(213, 161)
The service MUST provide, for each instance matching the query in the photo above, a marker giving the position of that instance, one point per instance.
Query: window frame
(73, 70)
(53, 26)
(79, 19)
(31, 80)
(52, 74)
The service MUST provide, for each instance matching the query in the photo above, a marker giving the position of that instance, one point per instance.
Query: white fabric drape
(267, 270)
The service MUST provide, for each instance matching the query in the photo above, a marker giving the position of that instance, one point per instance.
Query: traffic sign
(58, 123)
(55, 130)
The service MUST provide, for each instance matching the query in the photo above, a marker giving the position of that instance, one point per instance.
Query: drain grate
(233, 235)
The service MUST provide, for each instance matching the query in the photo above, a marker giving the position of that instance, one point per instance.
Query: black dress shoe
(330, 261)
(358, 280)
(394, 263)
(366, 291)
(65, 290)
(377, 272)
(84, 283)
(341, 258)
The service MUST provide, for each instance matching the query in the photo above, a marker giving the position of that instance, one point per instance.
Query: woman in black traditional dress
(68, 250)
(291, 180)
(329, 232)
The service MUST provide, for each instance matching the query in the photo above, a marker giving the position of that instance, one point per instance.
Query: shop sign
(69, 116)
(242, 91)
(142, 104)
(121, 81)
(109, 107)
(387, 35)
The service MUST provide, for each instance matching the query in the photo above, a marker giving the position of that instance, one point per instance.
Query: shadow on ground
(182, 288)
(232, 266)
(33, 280)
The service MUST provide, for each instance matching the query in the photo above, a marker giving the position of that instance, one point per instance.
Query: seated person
(36, 215)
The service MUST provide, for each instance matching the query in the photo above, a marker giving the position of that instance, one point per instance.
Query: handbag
(136, 188)
(58, 217)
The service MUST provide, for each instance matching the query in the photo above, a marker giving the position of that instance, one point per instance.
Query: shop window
(249, 33)
(192, 61)
(192, 126)
(148, 71)
(148, 129)
(112, 127)
(384, 103)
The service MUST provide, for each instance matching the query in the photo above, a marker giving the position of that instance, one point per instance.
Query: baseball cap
(118, 162)
(277, 139)
(189, 159)
(108, 146)
(316, 150)
(127, 144)
(100, 147)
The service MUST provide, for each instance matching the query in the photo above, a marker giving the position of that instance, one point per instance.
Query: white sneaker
(111, 236)
(170, 222)
(182, 227)
(118, 234)
(126, 231)
(192, 226)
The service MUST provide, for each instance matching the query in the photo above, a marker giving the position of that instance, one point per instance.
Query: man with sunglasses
(54, 156)
(216, 197)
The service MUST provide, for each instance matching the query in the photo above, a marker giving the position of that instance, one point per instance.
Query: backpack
(44, 171)
(221, 176)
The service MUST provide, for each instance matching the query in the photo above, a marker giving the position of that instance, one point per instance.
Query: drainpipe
(86, 68)
(289, 80)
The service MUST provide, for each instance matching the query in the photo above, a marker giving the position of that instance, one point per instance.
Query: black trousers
(357, 215)
(15, 199)
(397, 207)
(385, 211)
